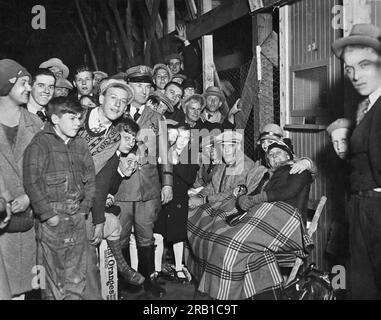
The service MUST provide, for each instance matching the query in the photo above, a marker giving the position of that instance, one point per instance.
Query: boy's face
(43, 89)
(189, 92)
(183, 138)
(340, 142)
(114, 103)
(84, 82)
(161, 78)
(127, 142)
(20, 91)
(174, 65)
(68, 124)
(174, 93)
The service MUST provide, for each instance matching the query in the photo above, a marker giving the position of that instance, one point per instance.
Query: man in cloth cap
(216, 111)
(17, 128)
(361, 54)
(103, 140)
(56, 66)
(140, 197)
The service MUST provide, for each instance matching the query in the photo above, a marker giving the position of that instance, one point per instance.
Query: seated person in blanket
(270, 133)
(107, 182)
(282, 186)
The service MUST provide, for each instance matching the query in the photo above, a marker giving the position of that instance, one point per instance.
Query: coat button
(179, 206)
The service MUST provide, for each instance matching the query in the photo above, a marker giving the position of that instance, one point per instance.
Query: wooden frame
(293, 70)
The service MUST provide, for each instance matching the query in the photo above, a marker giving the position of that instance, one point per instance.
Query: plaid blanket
(235, 263)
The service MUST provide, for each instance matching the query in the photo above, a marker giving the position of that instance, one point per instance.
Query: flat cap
(110, 83)
(339, 124)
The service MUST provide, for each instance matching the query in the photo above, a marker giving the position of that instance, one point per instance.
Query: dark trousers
(365, 247)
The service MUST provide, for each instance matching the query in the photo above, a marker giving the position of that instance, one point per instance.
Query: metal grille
(233, 80)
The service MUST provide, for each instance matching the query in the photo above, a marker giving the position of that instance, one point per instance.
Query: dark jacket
(365, 155)
(107, 180)
(172, 220)
(145, 184)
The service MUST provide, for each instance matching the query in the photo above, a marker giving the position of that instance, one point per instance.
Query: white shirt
(374, 97)
(34, 107)
(133, 110)
(95, 121)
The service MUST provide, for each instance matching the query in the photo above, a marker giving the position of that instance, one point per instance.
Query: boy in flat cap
(17, 128)
(361, 54)
(140, 197)
(337, 245)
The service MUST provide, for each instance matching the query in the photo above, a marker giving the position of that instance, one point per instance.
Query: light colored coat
(224, 181)
(18, 250)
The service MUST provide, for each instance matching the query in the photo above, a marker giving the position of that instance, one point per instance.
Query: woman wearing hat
(17, 128)
(271, 133)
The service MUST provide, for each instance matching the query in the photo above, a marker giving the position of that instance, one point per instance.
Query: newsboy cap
(10, 71)
(361, 34)
(339, 124)
(110, 83)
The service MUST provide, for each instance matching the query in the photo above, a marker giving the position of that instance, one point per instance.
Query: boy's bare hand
(98, 235)
(53, 221)
(20, 204)
(7, 208)
(166, 194)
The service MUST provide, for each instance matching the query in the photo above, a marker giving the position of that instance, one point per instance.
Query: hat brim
(64, 68)
(141, 79)
(339, 45)
(217, 94)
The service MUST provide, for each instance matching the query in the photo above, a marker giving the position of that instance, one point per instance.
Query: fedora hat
(361, 34)
(55, 62)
